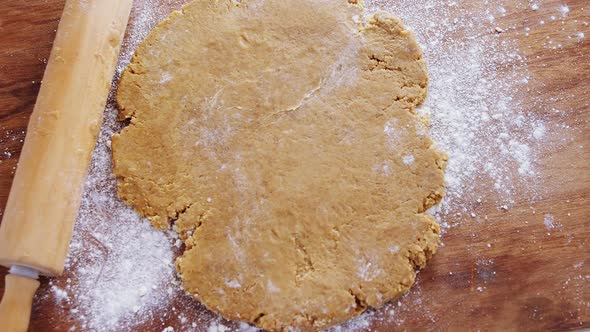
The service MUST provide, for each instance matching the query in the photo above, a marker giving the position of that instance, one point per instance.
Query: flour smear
(120, 273)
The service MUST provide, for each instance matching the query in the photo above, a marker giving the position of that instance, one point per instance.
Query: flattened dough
(280, 139)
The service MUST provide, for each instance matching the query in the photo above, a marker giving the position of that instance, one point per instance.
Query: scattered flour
(217, 327)
(233, 284)
(60, 294)
(367, 270)
(408, 160)
(539, 131)
(549, 222)
(472, 109)
(120, 271)
(564, 9)
(360, 323)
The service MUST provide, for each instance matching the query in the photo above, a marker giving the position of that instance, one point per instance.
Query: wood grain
(527, 279)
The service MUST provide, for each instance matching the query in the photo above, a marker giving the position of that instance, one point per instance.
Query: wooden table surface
(540, 279)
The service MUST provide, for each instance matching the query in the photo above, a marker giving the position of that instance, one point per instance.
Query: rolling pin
(45, 196)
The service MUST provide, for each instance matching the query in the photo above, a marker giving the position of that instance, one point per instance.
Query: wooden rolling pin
(45, 196)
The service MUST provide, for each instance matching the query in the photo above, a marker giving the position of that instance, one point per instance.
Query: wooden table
(527, 279)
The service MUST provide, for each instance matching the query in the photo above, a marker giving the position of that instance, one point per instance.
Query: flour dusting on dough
(274, 119)
(408, 159)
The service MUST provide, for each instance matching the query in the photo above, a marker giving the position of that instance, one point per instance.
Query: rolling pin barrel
(46, 191)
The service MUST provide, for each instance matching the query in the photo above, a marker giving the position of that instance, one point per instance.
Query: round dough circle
(280, 139)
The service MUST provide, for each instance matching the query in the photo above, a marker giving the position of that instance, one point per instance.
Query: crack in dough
(274, 137)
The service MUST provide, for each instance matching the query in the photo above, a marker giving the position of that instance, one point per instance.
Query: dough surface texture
(280, 139)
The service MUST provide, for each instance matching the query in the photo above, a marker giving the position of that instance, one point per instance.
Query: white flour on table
(120, 271)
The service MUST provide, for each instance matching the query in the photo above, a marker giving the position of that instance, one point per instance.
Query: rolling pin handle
(19, 290)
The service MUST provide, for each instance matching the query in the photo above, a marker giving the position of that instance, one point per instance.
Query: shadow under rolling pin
(45, 196)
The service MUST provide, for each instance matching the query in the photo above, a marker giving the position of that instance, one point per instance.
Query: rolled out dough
(280, 139)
